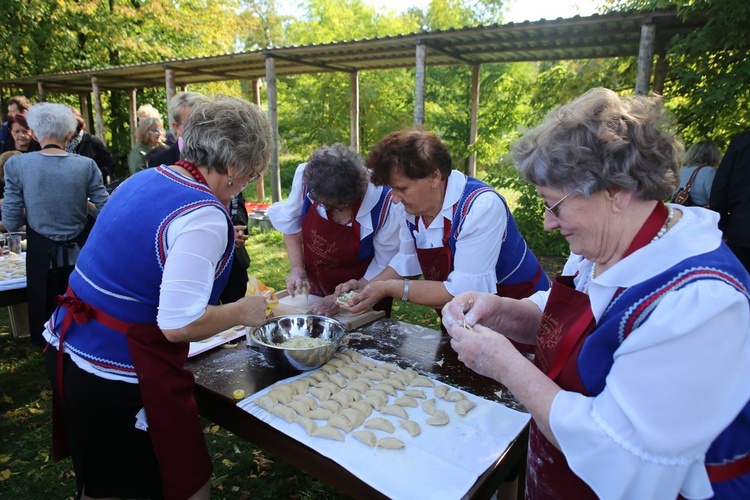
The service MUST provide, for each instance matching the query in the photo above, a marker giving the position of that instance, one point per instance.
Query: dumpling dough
(439, 418)
(411, 426)
(345, 297)
(441, 391)
(406, 401)
(284, 412)
(367, 437)
(398, 411)
(341, 422)
(415, 393)
(421, 381)
(381, 424)
(328, 432)
(454, 396)
(429, 406)
(308, 424)
(463, 407)
(390, 443)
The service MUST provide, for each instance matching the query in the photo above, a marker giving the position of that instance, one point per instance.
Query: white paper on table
(441, 462)
(215, 341)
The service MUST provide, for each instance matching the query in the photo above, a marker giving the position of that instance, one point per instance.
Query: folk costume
(653, 357)
(124, 291)
(335, 253)
(473, 244)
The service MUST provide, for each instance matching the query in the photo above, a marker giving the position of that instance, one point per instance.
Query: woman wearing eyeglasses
(456, 231)
(149, 135)
(639, 386)
(337, 226)
(146, 284)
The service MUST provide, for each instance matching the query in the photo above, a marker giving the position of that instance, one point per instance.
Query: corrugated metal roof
(597, 36)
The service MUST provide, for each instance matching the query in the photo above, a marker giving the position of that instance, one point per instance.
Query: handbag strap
(692, 177)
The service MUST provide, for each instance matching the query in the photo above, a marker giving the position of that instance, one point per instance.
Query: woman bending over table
(146, 285)
(337, 226)
(639, 387)
(456, 231)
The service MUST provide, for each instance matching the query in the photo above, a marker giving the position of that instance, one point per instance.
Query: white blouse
(677, 380)
(477, 247)
(286, 217)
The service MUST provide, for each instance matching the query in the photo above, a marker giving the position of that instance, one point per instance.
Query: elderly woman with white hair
(49, 192)
(639, 386)
(139, 295)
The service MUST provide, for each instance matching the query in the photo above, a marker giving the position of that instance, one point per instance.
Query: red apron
(331, 251)
(566, 322)
(167, 392)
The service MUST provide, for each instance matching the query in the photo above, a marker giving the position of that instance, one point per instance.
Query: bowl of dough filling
(298, 341)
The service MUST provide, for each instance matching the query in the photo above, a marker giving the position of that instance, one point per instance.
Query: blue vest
(516, 263)
(120, 269)
(632, 307)
(378, 216)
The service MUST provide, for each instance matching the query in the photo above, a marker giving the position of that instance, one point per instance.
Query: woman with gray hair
(337, 226)
(49, 191)
(136, 300)
(638, 388)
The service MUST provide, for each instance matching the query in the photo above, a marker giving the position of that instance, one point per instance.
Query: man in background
(730, 196)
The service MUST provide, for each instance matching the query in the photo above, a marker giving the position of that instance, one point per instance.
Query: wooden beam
(260, 189)
(273, 118)
(419, 82)
(645, 58)
(472, 167)
(169, 86)
(133, 116)
(354, 110)
(41, 91)
(98, 118)
(83, 100)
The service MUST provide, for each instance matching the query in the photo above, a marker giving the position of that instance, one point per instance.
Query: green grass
(241, 470)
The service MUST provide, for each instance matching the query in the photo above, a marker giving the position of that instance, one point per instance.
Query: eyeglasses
(155, 131)
(555, 209)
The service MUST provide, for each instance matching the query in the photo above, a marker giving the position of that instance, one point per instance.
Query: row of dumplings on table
(346, 391)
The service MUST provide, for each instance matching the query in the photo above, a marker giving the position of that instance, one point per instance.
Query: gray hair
(599, 141)
(181, 101)
(228, 131)
(336, 174)
(51, 121)
(701, 154)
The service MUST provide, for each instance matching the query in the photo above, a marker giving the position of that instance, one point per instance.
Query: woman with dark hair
(21, 138)
(337, 226)
(639, 385)
(120, 336)
(90, 146)
(456, 231)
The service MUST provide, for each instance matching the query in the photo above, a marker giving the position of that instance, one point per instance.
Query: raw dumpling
(396, 383)
(299, 406)
(338, 363)
(381, 424)
(307, 423)
(319, 375)
(429, 406)
(322, 393)
(388, 389)
(284, 412)
(439, 418)
(339, 380)
(348, 372)
(265, 402)
(411, 426)
(311, 402)
(328, 432)
(454, 396)
(367, 437)
(390, 443)
(394, 410)
(300, 386)
(331, 405)
(280, 397)
(363, 407)
(406, 401)
(359, 385)
(421, 381)
(329, 369)
(342, 398)
(415, 393)
(463, 407)
(375, 401)
(341, 422)
(374, 375)
(330, 386)
(320, 414)
(390, 367)
(441, 391)
(355, 417)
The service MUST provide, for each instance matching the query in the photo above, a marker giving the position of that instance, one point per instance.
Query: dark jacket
(10, 145)
(730, 192)
(93, 147)
(168, 156)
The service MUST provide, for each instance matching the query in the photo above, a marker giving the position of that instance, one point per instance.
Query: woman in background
(149, 135)
(84, 144)
(701, 159)
(52, 193)
(20, 133)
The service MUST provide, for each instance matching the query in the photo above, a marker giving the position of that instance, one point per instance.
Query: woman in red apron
(337, 227)
(651, 310)
(146, 284)
(456, 231)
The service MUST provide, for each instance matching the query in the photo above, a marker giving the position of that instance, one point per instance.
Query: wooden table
(221, 371)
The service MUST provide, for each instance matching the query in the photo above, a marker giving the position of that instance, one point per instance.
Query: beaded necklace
(192, 170)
